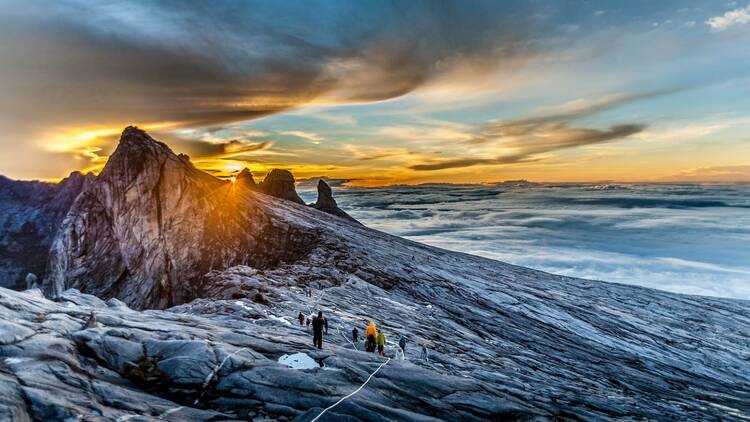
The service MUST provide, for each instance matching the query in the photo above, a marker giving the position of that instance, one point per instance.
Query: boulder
(327, 204)
(280, 183)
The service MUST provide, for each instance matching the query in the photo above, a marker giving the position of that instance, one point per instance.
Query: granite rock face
(230, 267)
(181, 366)
(524, 346)
(327, 204)
(245, 178)
(30, 215)
(280, 183)
(152, 225)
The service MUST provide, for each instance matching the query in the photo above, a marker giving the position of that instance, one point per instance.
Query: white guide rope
(215, 372)
(352, 393)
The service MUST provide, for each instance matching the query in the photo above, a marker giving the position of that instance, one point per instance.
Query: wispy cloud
(525, 140)
(308, 136)
(739, 173)
(740, 16)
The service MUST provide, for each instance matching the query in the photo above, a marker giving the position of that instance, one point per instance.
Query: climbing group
(374, 339)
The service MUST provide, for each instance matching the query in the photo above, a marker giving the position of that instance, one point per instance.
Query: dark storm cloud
(201, 64)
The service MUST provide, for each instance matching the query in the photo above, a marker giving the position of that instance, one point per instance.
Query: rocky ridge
(30, 215)
(506, 342)
(280, 183)
(153, 225)
(327, 204)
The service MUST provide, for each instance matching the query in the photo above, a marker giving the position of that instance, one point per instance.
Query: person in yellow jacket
(381, 343)
(370, 335)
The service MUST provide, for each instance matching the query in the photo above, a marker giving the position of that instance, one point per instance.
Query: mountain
(280, 183)
(152, 225)
(227, 268)
(327, 204)
(30, 215)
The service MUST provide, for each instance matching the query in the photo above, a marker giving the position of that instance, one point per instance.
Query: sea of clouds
(692, 239)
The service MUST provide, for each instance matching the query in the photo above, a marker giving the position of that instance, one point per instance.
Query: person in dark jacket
(318, 324)
(402, 344)
(325, 324)
(355, 335)
(301, 318)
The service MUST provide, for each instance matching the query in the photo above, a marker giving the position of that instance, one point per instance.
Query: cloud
(98, 64)
(526, 139)
(740, 16)
(687, 247)
(198, 148)
(199, 66)
(308, 136)
(469, 162)
(713, 174)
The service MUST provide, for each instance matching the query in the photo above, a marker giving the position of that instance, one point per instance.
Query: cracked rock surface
(227, 269)
(526, 346)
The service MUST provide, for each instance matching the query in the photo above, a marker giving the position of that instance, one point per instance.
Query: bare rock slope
(506, 342)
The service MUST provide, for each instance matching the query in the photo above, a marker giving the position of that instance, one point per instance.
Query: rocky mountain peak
(280, 183)
(326, 203)
(152, 226)
(325, 195)
(76, 182)
(245, 178)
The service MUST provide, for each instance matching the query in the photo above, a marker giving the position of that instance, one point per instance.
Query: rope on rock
(311, 310)
(169, 412)
(353, 392)
(338, 328)
(215, 372)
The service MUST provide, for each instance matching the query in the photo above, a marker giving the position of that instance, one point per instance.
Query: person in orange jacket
(370, 334)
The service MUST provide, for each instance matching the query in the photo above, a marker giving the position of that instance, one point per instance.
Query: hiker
(370, 335)
(399, 354)
(325, 322)
(355, 335)
(423, 356)
(31, 281)
(317, 324)
(402, 344)
(301, 318)
(91, 323)
(381, 343)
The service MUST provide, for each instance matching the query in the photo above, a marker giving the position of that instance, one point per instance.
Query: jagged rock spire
(280, 183)
(327, 204)
(245, 178)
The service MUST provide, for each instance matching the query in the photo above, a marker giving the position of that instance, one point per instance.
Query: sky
(682, 238)
(384, 92)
